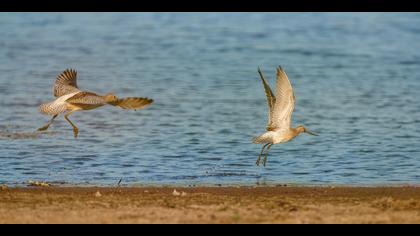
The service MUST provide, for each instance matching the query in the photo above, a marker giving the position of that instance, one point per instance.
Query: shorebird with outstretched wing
(280, 109)
(69, 98)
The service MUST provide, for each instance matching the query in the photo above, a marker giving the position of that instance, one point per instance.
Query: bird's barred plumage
(66, 83)
(52, 109)
(280, 109)
(70, 98)
(132, 103)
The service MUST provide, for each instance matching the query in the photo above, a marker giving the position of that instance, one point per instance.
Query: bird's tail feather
(132, 103)
(264, 138)
(52, 108)
(258, 139)
(255, 140)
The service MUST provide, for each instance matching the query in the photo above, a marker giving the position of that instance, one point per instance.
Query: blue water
(356, 78)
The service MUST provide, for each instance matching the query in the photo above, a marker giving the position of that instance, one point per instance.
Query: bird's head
(110, 97)
(302, 128)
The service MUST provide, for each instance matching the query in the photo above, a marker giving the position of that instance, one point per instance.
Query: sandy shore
(211, 205)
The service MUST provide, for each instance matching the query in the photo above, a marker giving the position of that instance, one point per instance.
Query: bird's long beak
(311, 133)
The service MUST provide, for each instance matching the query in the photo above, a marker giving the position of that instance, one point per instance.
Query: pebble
(176, 193)
(38, 184)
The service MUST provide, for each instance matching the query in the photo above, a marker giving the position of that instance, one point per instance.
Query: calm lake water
(356, 78)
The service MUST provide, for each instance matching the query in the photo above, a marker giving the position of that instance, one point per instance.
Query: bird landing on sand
(69, 98)
(280, 109)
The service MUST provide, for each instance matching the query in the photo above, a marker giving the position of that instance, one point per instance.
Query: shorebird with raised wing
(69, 98)
(280, 109)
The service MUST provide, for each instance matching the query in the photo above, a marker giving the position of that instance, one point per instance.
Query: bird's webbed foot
(75, 132)
(45, 127)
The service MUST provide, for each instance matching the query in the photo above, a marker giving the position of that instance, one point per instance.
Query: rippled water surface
(356, 79)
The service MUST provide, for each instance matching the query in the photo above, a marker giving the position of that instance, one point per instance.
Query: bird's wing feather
(86, 98)
(285, 102)
(66, 83)
(132, 103)
(271, 99)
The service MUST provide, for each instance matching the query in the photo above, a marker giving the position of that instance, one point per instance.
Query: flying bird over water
(280, 109)
(69, 98)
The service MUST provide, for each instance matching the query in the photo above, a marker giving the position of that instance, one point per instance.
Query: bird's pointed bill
(311, 133)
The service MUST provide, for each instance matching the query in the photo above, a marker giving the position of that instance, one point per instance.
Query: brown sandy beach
(210, 205)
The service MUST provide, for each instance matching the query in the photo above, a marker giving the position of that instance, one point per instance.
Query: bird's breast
(284, 136)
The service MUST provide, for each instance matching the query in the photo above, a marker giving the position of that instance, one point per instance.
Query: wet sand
(210, 205)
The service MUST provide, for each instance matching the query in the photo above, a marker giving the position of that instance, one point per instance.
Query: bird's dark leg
(259, 157)
(45, 127)
(266, 154)
(75, 129)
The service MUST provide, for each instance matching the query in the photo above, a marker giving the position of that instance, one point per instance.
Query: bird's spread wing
(285, 102)
(271, 99)
(66, 83)
(132, 103)
(86, 98)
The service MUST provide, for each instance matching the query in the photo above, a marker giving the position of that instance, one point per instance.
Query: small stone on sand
(176, 193)
(38, 184)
